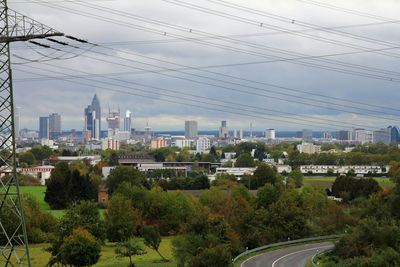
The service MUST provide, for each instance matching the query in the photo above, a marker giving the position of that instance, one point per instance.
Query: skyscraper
(54, 126)
(190, 129)
(223, 130)
(128, 121)
(306, 135)
(93, 118)
(113, 121)
(44, 127)
(96, 107)
(270, 133)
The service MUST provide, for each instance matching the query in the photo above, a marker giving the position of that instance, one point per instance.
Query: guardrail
(284, 243)
(318, 253)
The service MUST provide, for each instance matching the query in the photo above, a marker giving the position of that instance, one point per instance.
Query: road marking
(284, 256)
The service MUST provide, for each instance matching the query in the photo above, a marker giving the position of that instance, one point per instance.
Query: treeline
(375, 240)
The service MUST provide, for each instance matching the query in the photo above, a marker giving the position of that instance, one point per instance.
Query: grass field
(39, 257)
(326, 182)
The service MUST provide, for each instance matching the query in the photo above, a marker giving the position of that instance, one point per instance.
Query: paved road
(287, 257)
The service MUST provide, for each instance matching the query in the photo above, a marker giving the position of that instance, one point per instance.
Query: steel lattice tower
(13, 238)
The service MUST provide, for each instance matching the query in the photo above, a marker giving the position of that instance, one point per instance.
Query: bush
(80, 249)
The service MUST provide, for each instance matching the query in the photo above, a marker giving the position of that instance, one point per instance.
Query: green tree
(264, 174)
(57, 191)
(113, 160)
(80, 249)
(152, 239)
(41, 152)
(268, 194)
(244, 160)
(207, 158)
(122, 174)
(121, 220)
(27, 157)
(297, 177)
(129, 249)
(85, 215)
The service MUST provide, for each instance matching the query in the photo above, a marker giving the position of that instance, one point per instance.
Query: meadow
(326, 182)
(40, 257)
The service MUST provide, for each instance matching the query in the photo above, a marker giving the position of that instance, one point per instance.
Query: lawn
(326, 182)
(39, 257)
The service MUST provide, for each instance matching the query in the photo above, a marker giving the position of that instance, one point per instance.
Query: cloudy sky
(288, 64)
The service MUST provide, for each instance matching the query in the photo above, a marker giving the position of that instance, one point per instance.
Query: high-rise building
(96, 107)
(306, 135)
(234, 133)
(344, 135)
(190, 129)
(93, 119)
(113, 121)
(394, 134)
(128, 121)
(241, 134)
(223, 130)
(363, 136)
(54, 126)
(44, 127)
(270, 133)
(382, 136)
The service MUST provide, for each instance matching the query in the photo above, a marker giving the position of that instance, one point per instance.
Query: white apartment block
(308, 148)
(202, 144)
(358, 169)
(238, 172)
(363, 136)
(182, 143)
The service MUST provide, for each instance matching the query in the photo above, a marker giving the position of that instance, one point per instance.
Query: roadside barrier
(282, 244)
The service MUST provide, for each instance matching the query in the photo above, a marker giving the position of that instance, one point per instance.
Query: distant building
(234, 133)
(93, 119)
(308, 148)
(394, 134)
(223, 130)
(382, 136)
(327, 135)
(110, 144)
(241, 134)
(270, 133)
(54, 126)
(344, 135)
(113, 121)
(190, 129)
(128, 121)
(158, 143)
(306, 135)
(363, 136)
(202, 144)
(44, 127)
(182, 143)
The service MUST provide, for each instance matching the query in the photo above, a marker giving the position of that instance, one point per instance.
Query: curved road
(290, 256)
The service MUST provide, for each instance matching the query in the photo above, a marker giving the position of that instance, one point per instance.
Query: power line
(195, 98)
(228, 88)
(212, 107)
(185, 67)
(300, 23)
(373, 111)
(102, 18)
(347, 10)
(262, 47)
(274, 27)
(234, 89)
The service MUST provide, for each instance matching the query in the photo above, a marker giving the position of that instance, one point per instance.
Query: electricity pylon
(13, 239)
